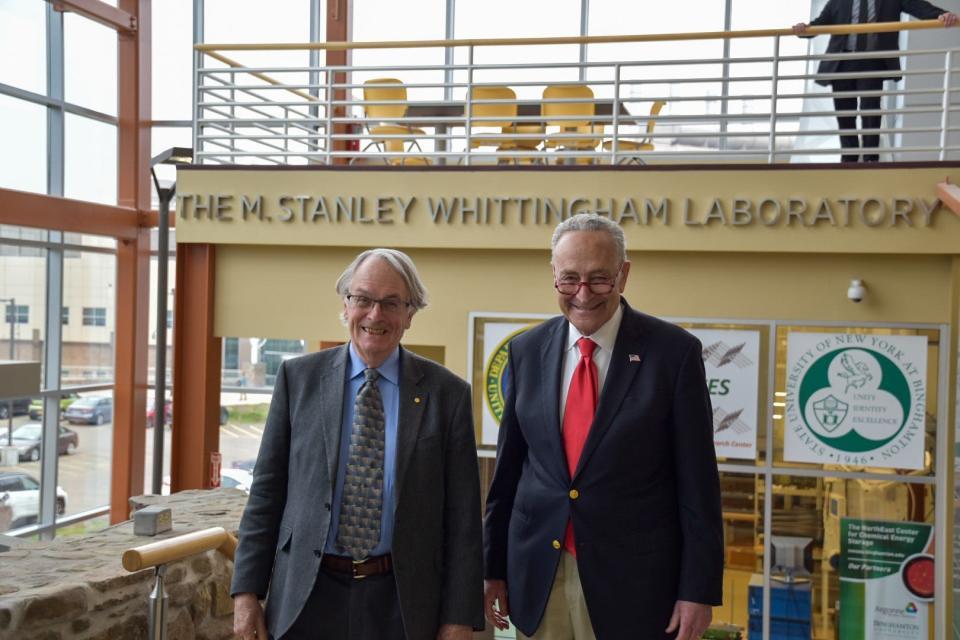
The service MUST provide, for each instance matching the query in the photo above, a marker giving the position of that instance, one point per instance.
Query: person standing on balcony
(865, 90)
(603, 518)
(364, 514)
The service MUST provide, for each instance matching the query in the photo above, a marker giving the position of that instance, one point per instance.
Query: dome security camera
(856, 292)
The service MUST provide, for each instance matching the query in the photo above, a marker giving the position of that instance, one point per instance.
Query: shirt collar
(390, 369)
(605, 336)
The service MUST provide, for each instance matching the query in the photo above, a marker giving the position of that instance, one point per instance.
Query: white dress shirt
(605, 337)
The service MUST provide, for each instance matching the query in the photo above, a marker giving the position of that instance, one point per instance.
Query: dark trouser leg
(342, 608)
(847, 122)
(870, 103)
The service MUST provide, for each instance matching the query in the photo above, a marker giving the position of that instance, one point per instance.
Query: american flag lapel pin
(633, 358)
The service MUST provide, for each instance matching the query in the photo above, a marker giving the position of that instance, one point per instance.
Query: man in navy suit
(853, 89)
(603, 519)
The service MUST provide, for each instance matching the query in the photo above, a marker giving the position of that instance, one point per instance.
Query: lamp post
(172, 156)
(12, 320)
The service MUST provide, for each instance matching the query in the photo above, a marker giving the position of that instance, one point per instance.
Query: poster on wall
(490, 335)
(856, 399)
(886, 579)
(732, 361)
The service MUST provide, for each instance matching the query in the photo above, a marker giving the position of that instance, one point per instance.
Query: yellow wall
(275, 279)
(287, 292)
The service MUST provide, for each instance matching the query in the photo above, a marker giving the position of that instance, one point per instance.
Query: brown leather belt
(374, 566)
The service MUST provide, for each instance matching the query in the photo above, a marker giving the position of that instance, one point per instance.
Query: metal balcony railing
(638, 106)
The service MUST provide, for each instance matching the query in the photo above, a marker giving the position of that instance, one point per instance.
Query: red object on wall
(215, 460)
(354, 129)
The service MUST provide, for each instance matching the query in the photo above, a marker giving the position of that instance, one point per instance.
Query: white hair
(591, 222)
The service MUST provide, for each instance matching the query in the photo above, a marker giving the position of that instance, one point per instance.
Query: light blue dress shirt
(389, 385)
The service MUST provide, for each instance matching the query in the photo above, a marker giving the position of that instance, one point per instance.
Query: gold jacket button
(574, 494)
(556, 544)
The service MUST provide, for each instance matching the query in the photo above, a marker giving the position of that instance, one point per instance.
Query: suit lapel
(551, 363)
(620, 376)
(329, 407)
(413, 400)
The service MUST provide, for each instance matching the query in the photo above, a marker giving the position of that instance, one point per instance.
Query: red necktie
(578, 415)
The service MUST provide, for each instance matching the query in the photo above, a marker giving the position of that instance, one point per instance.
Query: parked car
(20, 407)
(90, 410)
(36, 405)
(21, 492)
(26, 438)
(168, 414)
(236, 479)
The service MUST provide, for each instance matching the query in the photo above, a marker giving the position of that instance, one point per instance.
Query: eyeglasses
(387, 305)
(570, 285)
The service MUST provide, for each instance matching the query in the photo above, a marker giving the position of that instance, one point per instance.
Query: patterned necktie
(862, 12)
(578, 415)
(362, 501)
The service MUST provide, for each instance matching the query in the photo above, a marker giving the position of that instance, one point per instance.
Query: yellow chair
(627, 147)
(583, 107)
(507, 110)
(382, 89)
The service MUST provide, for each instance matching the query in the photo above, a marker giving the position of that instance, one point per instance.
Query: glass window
(506, 19)
(65, 316)
(90, 70)
(94, 316)
(379, 20)
(172, 60)
(23, 45)
(85, 448)
(23, 289)
(644, 76)
(23, 127)
(85, 240)
(759, 15)
(19, 314)
(88, 350)
(227, 21)
(250, 366)
(90, 159)
(834, 540)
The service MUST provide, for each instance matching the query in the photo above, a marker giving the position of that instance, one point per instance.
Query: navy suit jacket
(841, 12)
(647, 519)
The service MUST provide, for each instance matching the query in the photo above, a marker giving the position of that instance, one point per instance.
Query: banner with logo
(886, 579)
(856, 399)
(732, 361)
(490, 338)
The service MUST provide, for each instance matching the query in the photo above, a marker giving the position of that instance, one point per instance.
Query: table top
(455, 109)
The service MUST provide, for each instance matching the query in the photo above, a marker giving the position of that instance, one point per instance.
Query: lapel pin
(633, 358)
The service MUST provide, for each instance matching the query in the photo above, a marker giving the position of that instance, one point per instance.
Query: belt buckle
(356, 566)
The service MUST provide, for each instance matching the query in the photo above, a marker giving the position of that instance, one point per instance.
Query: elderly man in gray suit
(364, 515)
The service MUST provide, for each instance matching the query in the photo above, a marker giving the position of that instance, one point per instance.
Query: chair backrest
(384, 89)
(568, 92)
(506, 110)
(655, 109)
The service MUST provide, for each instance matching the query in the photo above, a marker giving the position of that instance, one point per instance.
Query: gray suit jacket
(437, 536)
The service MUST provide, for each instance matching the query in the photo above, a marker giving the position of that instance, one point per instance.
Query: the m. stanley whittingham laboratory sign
(314, 209)
(856, 399)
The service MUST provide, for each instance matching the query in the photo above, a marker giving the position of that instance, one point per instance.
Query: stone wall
(76, 588)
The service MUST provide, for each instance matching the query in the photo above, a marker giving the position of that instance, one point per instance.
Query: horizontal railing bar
(878, 27)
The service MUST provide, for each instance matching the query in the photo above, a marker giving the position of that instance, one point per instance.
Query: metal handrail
(874, 27)
(157, 555)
